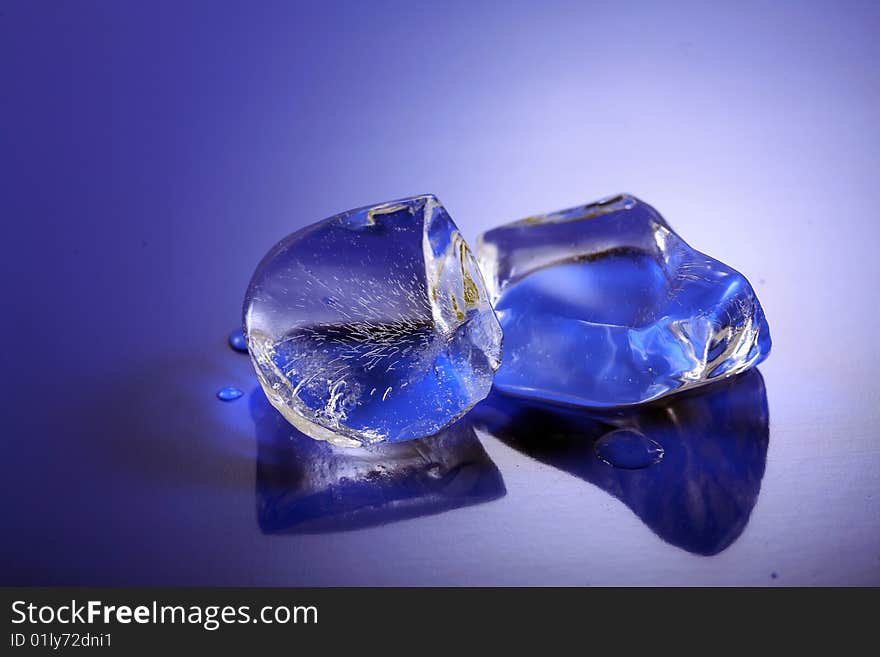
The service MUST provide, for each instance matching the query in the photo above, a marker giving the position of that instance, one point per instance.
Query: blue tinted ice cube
(373, 325)
(605, 305)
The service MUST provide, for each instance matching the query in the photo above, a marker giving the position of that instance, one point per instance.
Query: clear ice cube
(605, 305)
(373, 325)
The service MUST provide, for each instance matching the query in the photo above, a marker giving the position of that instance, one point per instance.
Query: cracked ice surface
(373, 325)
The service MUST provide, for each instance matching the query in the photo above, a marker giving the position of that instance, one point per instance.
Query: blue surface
(307, 486)
(605, 305)
(713, 443)
(629, 450)
(151, 153)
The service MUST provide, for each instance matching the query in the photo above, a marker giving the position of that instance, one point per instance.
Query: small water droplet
(229, 393)
(628, 450)
(237, 341)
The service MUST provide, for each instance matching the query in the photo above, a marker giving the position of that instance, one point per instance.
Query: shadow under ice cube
(309, 486)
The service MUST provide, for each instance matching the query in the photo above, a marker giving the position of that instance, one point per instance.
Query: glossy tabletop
(151, 153)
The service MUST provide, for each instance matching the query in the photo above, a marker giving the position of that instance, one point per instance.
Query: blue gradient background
(151, 153)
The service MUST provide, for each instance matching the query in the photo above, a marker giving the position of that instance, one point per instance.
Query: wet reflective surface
(713, 443)
(308, 486)
(143, 180)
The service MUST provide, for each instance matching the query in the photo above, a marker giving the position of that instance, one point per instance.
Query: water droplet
(229, 393)
(628, 449)
(237, 341)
